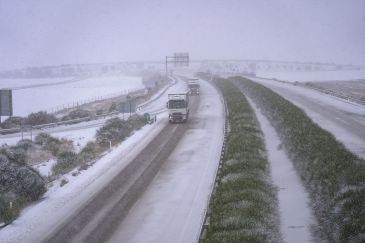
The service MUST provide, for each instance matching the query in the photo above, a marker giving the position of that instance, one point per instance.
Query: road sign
(181, 59)
(6, 102)
(128, 106)
(147, 116)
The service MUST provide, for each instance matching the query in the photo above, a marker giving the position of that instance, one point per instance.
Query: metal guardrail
(353, 100)
(207, 213)
(336, 94)
(60, 123)
(141, 106)
(133, 94)
(72, 105)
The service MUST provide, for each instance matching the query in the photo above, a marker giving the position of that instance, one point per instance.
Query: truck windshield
(177, 104)
(194, 86)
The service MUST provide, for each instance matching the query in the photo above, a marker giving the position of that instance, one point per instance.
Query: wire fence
(72, 105)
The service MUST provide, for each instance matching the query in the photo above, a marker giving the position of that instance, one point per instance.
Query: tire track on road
(96, 221)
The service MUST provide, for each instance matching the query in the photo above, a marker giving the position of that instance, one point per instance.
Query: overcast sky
(48, 32)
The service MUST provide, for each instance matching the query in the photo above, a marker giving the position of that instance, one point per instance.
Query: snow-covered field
(314, 75)
(18, 83)
(53, 97)
(60, 202)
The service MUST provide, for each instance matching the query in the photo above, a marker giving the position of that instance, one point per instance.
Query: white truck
(193, 86)
(178, 107)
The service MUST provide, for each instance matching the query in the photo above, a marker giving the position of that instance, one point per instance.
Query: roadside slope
(345, 120)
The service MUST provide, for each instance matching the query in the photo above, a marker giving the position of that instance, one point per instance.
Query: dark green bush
(89, 152)
(39, 118)
(10, 207)
(52, 144)
(63, 182)
(115, 130)
(99, 112)
(66, 161)
(20, 179)
(13, 122)
(25, 144)
(113, 107)
(137, 121)
(334, 177)
(14, 154)
(79, 113)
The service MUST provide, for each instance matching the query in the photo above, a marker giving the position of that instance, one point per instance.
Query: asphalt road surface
(96, 220)
(345, 120)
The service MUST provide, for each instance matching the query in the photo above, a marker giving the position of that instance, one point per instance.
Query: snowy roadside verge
(343, 119)
(61, 202)
(300, 76)
(296, 218)
(333, 176)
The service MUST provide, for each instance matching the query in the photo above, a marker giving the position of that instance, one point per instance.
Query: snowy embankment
(61, 202)
(83, 132)
(22, 83)
(333, 176)
(345, 120)
(296, 217)
(54, 97)
(311, 76)
(172, 208)
(80, 134)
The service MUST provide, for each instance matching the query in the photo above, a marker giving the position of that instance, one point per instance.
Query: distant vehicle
(178, 107)
(193, 87)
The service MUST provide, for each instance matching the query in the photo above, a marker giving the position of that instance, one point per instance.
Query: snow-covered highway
(92, 205)
(345, 120)
(173, 207)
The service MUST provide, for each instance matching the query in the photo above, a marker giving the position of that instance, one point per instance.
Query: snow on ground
(45, 168)
(345, 120)
(54, 97)
(61, 202)
(173, 206)
(296, 217)
(16, 83)
(314, 75)
(160, 103)
(157, 95)
(79, 133)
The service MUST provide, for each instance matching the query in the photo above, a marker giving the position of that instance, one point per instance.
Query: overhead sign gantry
(179, 59)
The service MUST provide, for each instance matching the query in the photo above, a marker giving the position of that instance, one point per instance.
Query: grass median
(244, 206)
(334, 177)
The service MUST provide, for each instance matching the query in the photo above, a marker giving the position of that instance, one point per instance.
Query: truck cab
(178, 107)
(193, 87)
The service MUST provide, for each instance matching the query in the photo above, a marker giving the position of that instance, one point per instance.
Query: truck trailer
(178, 107)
